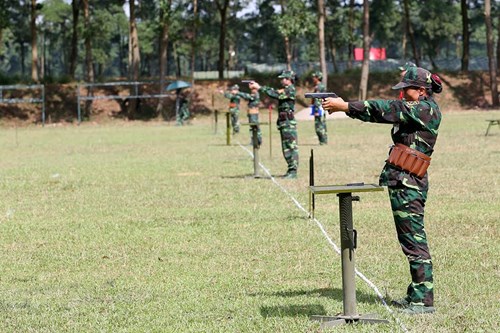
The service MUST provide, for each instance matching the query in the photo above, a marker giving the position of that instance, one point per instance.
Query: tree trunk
(350, 51)
(365, 69)
(491, 58)
(222, 35)
(164, 22)
(465, 35)
(89, 66)
(34, 46)
(410, 32)
(75, 5)
(134, 58)
(498, 42)
(193, 42)
(321, 40)
(333, 53)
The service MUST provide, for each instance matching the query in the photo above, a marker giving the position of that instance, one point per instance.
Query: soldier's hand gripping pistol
(322, 95)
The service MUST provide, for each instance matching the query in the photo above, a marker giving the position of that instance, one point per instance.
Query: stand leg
(255, 144)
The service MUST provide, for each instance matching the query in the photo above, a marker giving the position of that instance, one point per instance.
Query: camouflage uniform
(234, 108)
(415, 124)
(253, 103)
(287, 125)
(319, 113)
(183, 113)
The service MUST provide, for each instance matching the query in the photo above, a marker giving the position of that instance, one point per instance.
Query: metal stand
(254, 127)
(348, 237)
(228, 129)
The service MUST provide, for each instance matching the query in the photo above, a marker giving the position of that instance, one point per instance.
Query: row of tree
(89, 39)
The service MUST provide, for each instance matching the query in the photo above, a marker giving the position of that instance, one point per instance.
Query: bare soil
(460, 92)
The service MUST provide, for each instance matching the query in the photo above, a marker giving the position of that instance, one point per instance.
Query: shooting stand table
(348, 238)
(491, 122)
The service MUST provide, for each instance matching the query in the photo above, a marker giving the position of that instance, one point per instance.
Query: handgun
(247, 81)
(320, 95)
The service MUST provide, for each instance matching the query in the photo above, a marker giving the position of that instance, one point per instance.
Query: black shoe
(401, 303)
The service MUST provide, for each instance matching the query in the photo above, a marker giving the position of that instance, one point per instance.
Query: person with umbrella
(181, 101)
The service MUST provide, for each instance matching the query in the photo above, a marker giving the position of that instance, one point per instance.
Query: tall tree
(409, 31)
(222, 7)
(464, 6)
(34, 45)
(193, 41)
(321, 40)
(134, 57)
(365, 68)
(73, 58)
(89, 63)
(295, 20)
(165, 14)
(491, 57)
(350, 50)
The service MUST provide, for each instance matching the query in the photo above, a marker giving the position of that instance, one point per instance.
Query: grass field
(155, 228)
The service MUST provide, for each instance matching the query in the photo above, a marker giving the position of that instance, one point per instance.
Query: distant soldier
(253, 110)
(317, 110)
(415, 122)
(183, 109)
(234, 106)
(287, 125)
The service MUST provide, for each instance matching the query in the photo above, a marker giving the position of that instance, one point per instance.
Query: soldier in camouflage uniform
(415, 121)
(317, 111)
(234, 107)
(287, 125)
(183, 109)
(253, 110)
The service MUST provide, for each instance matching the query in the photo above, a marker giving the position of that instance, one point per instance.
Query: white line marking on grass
(332, 243)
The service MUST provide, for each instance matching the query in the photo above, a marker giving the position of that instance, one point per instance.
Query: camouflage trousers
(254, 118)
(182, 116)
(235, 120)
(289, 146)
(408, 210)
(320, 127)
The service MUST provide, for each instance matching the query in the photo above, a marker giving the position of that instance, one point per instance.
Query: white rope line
(329, 239)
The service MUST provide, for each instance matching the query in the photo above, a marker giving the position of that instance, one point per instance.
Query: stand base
(330, 321)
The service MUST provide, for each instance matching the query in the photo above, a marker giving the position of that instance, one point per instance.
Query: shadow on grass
(333, 293)
(292, 310)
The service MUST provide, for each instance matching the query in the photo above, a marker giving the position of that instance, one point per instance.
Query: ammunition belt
(409, 160)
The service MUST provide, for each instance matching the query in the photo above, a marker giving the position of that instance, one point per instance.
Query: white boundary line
(332, 243)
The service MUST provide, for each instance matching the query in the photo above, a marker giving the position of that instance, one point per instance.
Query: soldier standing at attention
(234, 106)
(253, 110)
(415, 122)
(287, 125)
(317, 111)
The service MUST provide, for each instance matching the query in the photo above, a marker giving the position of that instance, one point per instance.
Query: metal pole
(43, 106)
(255, 143)
(216, 116)
(78, 104)
(228, 129)
(347, 245)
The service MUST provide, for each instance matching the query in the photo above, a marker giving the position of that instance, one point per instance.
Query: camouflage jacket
(234, 99)
(415, 124)
(253, 99)
(285, 97)
(318, 89)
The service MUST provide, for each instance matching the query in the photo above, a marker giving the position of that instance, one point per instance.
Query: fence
(136, 95)
(25, 100)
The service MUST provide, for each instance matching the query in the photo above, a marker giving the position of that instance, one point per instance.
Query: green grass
(155, 228)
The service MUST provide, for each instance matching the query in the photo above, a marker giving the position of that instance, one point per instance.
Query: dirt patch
(461, 92)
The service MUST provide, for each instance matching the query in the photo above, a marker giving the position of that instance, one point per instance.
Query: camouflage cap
(317, 74)
(415, 77)
(406, 66)
(287, 75)
(235, 87)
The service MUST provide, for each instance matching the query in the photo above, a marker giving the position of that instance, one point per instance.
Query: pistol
(320, 95)
(247, 81)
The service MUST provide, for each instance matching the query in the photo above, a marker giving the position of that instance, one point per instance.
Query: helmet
(287, 75)
(317, 74)
(235, 87)
(415, 77)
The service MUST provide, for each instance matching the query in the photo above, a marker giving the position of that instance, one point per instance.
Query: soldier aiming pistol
(320, 95)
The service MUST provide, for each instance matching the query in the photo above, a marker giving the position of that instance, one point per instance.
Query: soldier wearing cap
(415, 122)
(234, 106)
(317, 111)
(287, 125)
